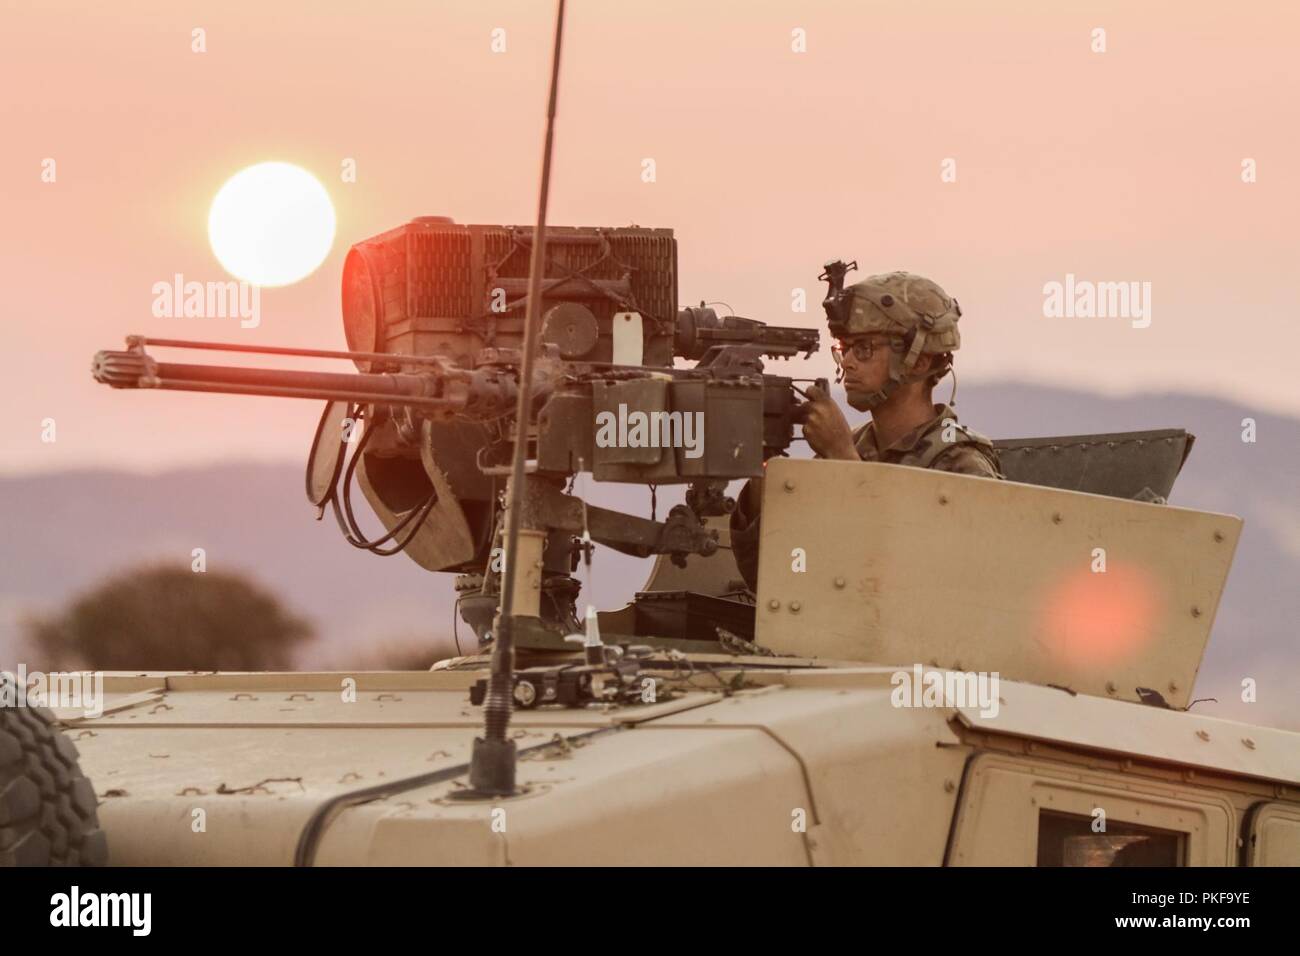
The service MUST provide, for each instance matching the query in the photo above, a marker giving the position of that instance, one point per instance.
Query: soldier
(895, 335)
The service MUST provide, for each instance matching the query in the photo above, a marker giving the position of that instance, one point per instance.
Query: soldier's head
(893, 331)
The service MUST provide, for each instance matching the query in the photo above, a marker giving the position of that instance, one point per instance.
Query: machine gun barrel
(440, 389)
(283, 383)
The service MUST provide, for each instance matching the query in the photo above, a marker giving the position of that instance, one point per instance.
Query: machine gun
(433, 314)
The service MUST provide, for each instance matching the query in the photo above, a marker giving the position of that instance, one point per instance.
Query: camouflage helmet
(900, 303)
(912, 309)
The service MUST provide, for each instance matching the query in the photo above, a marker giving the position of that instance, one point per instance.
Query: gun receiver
(700, 333)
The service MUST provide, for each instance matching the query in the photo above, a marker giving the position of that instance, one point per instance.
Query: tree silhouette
(159, 617)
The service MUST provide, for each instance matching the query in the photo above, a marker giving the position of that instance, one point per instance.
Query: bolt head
(840, 582)
(789, 485)
(795, 606)
(774, 605)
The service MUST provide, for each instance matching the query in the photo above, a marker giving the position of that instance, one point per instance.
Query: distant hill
(66, 531)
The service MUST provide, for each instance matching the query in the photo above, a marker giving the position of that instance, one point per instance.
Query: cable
(455, 623)
(352, 532)
(361, 543)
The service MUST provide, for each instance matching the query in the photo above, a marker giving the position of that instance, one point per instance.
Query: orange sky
(1117, 166)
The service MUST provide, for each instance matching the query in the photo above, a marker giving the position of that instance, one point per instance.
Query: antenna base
(492, 769)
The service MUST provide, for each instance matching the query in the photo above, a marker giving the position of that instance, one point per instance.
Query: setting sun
(271, 224)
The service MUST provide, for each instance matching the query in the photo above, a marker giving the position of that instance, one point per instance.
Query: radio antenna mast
(492, 763)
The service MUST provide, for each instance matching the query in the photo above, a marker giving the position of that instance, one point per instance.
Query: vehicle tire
(47, 806)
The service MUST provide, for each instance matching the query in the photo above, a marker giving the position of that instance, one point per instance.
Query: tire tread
(48, 809)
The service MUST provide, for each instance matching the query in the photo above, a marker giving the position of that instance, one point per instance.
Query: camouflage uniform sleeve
(967, 459)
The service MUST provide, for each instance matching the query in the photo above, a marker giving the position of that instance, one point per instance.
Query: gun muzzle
(123, 369)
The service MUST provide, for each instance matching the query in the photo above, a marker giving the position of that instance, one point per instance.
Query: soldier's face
(865, 362)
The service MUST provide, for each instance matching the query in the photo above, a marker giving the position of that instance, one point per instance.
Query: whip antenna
(492, 764)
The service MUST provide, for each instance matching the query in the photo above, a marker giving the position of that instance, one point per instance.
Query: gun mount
(433, 315)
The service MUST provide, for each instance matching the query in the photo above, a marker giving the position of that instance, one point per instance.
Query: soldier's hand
(825, 427)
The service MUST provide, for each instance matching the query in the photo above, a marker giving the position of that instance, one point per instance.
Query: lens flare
(1101, 618)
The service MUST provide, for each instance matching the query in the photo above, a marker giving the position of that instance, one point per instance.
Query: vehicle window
(1274, 835)
(1065, 839)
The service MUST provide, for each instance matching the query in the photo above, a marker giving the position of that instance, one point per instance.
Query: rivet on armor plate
(840, 582)
(774, 605)
(789, 485)
(795, 606)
